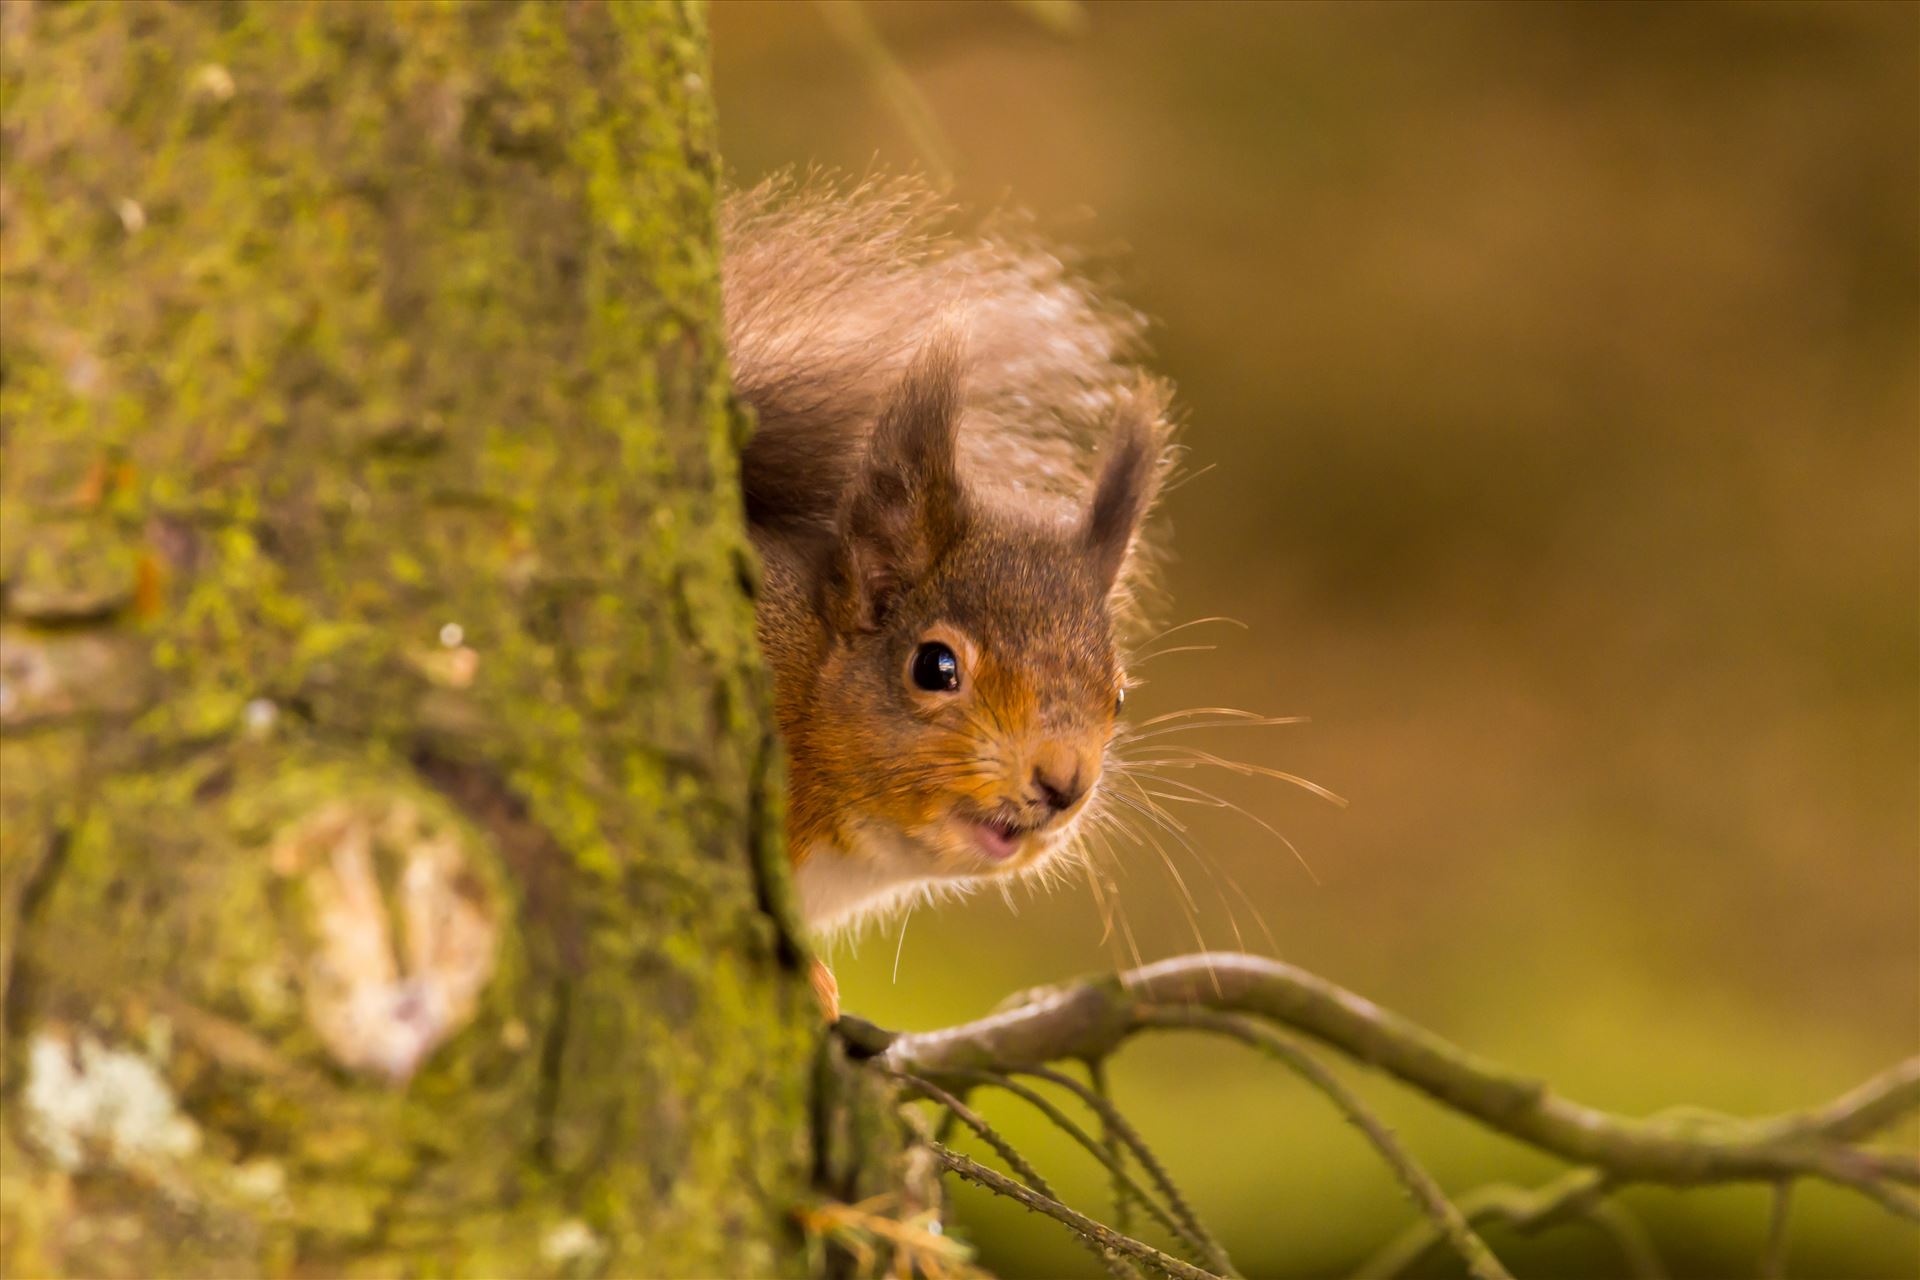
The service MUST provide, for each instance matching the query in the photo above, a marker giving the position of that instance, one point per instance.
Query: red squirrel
(953, 457)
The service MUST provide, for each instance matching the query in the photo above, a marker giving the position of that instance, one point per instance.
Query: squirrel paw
(826, 990)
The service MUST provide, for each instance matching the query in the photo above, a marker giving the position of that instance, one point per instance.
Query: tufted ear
(1127, 482)
(907, 505)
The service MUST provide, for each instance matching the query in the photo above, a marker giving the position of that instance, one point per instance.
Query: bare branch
(1446, 1218)
(1629, 1236)
(988, 1134)
(1579, 1195)
(1773, 1262)
(1862, 1111)
(1193, 1231)
(1127, 1188)
(1116, 1159)
(1089, 1019)
(1086, 1228)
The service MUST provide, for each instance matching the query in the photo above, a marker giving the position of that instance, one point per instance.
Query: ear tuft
(1128, 480)
(907, 504)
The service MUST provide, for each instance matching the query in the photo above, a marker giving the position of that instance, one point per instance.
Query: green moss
(69, 570)
(396, 316)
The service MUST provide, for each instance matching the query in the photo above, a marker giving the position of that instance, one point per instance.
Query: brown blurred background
(1554, 403)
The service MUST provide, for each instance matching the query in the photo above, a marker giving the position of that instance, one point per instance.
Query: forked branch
(1089, 1019)
(1253, 999)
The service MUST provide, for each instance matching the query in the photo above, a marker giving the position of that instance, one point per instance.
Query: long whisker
(1200, 796)
(1123, 946)
(1099, 896)
(1144, 659)
(1230, 713)
(1126, 931)
(1145, 807)
(1177, 830)
(1188, 906)
(1186, 894)
(1233, 921)
(1194, 756)
(1146, 734)
(1187, 478)
(1197, 622)
(1216, 870)
(1119, 902)
(1273, 948)
(901, 945)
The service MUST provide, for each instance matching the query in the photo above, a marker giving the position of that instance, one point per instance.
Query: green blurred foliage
(1554, 408)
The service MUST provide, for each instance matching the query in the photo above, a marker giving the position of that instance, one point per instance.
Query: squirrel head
(969, 678)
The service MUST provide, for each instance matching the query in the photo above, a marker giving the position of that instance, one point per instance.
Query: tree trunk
(392, 877)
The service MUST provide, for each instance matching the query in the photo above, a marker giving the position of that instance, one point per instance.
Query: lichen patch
(52, 675)
(87, 1104)
(402, 937)
(572, 1244)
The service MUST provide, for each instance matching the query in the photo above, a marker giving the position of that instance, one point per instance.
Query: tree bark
(391, 876)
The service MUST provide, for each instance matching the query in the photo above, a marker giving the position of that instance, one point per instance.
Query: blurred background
(1553, 395)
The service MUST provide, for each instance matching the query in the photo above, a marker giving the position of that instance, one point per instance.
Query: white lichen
(212, 83)
(260, 716)
(571, 1242)
(87, 1103)
(261, 1180)
(379, 1008)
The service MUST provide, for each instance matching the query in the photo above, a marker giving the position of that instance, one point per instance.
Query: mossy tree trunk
(390, 808)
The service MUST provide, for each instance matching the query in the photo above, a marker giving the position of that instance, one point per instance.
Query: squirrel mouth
(997, 836)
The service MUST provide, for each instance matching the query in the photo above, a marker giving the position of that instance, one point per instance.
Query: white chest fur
(840, 891)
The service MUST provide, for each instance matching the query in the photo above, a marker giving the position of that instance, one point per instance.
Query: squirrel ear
(1127, 483)
(906, 504)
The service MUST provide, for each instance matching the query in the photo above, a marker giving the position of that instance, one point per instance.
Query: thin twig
(988, 1134)
(1419, 1184)
(1900, 1204)
(1126, 1187)
(1211, 1250)
(1629, 1236)
(1094, 1234)
(1863, 1110)
(1116, 1153)
(1578, 1195)
(1773, 1262)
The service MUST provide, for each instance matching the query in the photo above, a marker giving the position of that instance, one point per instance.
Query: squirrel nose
(1061, 777)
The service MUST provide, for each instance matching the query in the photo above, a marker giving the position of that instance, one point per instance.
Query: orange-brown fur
(953, 447)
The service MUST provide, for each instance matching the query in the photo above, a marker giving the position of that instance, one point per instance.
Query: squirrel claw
(826, 990)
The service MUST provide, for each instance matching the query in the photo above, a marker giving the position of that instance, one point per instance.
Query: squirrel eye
(1119, 702)
(935, 669)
